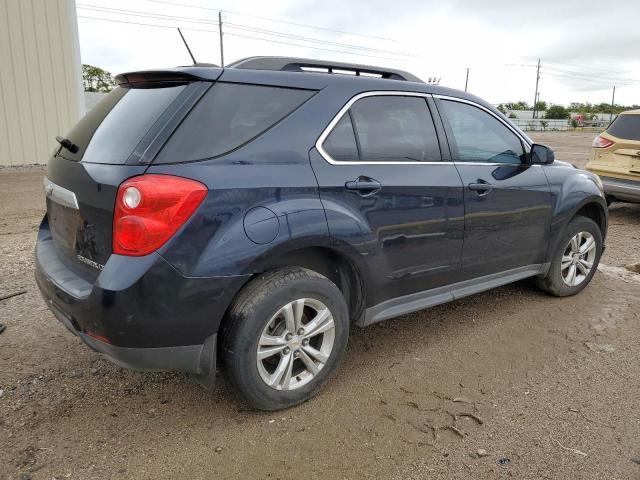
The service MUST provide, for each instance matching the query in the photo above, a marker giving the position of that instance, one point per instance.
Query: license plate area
(64, 223)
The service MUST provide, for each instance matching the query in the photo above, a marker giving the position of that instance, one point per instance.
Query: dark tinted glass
(228, 116)
(395, 128)
(341, 143)
(110, 131)
(480, 137)
(626, 127)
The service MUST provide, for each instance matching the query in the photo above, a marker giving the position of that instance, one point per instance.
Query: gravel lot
(508, 383)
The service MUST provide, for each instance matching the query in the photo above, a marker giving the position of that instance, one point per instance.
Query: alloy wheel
(295, 344)
(578, 259)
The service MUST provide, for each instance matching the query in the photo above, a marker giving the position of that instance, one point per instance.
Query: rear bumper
(626, 190)
(197, 359)
(140, 312)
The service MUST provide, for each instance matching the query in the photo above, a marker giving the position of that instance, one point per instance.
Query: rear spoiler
(198, 72)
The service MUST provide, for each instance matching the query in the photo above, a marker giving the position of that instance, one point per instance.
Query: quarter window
(227, 117)
(480, 137)
(341, 143)
(385, 128)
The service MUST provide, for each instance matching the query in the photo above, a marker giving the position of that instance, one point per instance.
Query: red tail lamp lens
(150, 209)
(601, 142)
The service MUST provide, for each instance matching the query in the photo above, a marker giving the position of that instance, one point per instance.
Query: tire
(558, 280)
(258, 320)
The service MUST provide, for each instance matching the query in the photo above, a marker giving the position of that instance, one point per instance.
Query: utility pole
(466, 82)
(535, 97)
(221, 44)
(613, 99)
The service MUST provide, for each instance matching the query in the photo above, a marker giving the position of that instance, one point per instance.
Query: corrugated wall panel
(40, 77)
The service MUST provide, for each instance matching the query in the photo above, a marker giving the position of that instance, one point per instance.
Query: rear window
(227, 117)
(626, 126)
(111, 130)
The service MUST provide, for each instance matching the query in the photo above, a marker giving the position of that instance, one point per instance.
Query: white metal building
(41, 92)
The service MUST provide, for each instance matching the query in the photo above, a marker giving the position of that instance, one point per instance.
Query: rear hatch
(112, 142)
(622, 158)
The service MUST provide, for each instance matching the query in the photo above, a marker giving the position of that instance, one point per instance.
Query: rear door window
(227, 117)
(626, 127)
(111, 130)
(395, 128)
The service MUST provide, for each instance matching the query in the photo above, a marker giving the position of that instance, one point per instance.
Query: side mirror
(541, 155)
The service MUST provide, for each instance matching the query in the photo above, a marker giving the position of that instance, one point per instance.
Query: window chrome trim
(60, 195)
(329, 128)
(381, 93)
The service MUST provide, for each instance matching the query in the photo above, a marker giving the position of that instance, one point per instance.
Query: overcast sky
(585, 46)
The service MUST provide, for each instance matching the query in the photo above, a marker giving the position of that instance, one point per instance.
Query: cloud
(584, 44)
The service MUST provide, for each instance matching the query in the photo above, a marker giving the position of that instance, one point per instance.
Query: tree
(95, 79)
(502, 109)
(544, 124)
(521, 105)
(541, 105)
(557, 112)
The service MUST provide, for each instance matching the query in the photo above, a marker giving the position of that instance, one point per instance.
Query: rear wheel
(576, 260)
(286, 334)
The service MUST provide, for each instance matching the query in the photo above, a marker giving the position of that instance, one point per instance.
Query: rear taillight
(601, 142)
(150, 209)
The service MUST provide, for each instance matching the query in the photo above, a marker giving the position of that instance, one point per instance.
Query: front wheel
(286, 334)
(576, 260)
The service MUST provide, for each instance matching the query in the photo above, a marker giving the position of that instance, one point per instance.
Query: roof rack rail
(292, 64)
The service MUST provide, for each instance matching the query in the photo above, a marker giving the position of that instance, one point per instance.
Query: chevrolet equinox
(248, 216)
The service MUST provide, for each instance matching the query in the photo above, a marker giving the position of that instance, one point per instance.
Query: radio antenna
(187, 45)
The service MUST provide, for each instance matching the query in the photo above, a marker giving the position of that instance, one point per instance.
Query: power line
(308, 46)
(309, 39)
(582, 76)
(143, 14)
(586, 74)
(287, 22)
(606, 82)
(138, 13)
(144, 24)
(237, 35)
(591, 69)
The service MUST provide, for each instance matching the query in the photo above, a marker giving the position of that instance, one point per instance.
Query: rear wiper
(66, 143)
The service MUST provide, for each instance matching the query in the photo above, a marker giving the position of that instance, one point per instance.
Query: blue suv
(249, 216)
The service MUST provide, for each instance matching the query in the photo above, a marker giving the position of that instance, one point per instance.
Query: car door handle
(364, 185)
(480, 186)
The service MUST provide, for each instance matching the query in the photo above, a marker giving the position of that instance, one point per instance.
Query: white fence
(537, 124)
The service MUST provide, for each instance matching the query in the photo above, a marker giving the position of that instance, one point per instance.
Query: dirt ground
(508, 383)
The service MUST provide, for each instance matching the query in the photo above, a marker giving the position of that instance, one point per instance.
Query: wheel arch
(331, 263)
(596, 212)
(592, 207)
(337, 266)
